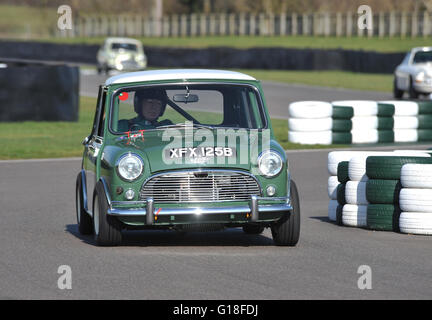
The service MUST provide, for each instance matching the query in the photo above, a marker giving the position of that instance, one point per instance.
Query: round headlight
(270, 163)
(130, 167)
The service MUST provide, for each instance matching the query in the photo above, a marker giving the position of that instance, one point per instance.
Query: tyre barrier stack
(381, 190)
(310, 122)
(360, 122)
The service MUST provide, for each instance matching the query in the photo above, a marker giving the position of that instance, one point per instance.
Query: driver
(149, 104)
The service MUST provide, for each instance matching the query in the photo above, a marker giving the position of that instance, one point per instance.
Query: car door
(93, 146)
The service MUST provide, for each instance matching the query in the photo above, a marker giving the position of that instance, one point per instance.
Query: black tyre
(253, 229)
(107, 229)
(342, 112)
(84, 221)
(286, 231)
(342, 125)
(386, 110)
(342, 171)
(389, 167)
(383, 191)
(398, 94)
(383, 217)
(413, 94)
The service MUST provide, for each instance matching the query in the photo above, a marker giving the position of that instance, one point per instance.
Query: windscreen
(214, 105)
(124, 46)
(423, 57)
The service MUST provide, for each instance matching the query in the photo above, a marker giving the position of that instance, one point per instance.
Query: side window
(96, 116)
(101, 124)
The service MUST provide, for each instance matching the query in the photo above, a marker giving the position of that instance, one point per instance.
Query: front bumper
(423, 87)
(149, 212)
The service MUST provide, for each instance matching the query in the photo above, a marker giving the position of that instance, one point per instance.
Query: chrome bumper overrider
(253, 209)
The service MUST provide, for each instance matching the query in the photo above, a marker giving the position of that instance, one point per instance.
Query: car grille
(200, 186)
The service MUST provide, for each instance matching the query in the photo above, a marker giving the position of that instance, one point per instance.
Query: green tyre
(383, 217)
(342, 171)
(385, 136)
(386, 110)
(383, 191)
(389, 167)
(424, 135)
(342, 112)
(341, 194)
(341, 137)
(385, 123)
(342, 125)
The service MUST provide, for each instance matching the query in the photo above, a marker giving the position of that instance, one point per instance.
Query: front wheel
(107, 230)
(413, 94)
(286, 231)
(398, 94)
(85, 224)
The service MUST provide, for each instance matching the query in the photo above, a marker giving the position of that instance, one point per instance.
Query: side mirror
(85, 141)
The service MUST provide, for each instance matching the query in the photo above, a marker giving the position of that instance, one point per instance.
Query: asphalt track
(38, 233)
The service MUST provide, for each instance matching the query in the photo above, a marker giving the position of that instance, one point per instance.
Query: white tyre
(415, 199)
(355, 193)
(361, 107)
(354, 215)
(414, 153)
(332, 185)
(400, 122)
(310, 109)
(332, 209)
(364, 136)
(405, 135)
(306, 125)
(315, 137)
(364, 123)
(404, 108)
(335, 157)
(416, 223)
(416, 175)
(357, 165)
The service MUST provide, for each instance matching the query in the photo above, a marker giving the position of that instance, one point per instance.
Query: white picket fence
(391, 24)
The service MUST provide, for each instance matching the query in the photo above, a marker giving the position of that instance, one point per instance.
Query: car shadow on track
(322, 219)
(167, 238)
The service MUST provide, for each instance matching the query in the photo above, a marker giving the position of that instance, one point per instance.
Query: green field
(31, 139)
(395, 44)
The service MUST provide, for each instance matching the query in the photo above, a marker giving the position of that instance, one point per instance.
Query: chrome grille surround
(193, 186)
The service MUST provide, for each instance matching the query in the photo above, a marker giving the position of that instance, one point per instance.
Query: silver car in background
(414, 74)
(122, 54)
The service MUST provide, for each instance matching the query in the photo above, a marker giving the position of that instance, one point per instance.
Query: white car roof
(175, 74)
(121, 40)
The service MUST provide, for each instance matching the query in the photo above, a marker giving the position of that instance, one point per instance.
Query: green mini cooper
(187, 150)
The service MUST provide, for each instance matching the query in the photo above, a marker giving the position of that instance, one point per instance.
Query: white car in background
(414, 74)
(122, 54)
